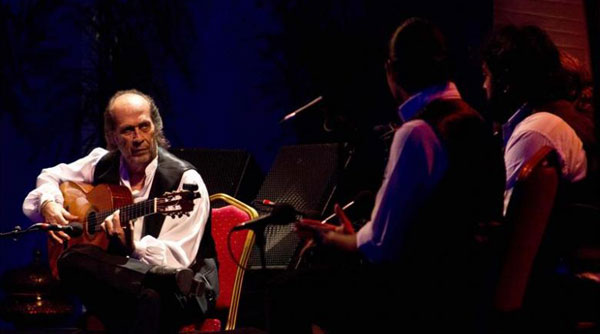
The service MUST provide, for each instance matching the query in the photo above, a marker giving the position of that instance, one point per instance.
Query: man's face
(134, 131)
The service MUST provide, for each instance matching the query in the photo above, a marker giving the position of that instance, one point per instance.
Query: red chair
(528, 214)
(230, 275)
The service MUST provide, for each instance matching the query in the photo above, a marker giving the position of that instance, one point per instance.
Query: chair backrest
(230, 275)
(527, 217)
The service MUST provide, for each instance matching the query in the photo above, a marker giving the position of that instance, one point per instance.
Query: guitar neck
(171, 204)
(129, 212)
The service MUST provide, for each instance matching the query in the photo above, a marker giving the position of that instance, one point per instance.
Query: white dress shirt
(526, 132)
(179, 238)
(416, 164)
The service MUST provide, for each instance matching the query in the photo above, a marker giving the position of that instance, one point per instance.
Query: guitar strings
(127, 213)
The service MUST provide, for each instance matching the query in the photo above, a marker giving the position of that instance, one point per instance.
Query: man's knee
(70, 261)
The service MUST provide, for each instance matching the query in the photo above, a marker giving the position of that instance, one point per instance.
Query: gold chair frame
(243, 260)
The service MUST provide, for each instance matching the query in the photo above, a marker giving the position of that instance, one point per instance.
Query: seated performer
(528, 91)
(142, 283)
(444, 178)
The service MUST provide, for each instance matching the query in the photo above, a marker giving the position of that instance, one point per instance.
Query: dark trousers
(112, 287)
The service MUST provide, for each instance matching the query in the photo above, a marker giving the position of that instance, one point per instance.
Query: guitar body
(83, 200)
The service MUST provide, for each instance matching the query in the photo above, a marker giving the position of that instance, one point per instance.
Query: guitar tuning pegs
(190, 186)
(187, 214)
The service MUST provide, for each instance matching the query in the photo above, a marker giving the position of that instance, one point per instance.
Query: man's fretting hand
(112, 226)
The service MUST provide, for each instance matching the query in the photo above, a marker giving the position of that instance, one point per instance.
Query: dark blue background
(222, 72)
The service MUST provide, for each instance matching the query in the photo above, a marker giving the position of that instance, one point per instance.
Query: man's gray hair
(109, 122)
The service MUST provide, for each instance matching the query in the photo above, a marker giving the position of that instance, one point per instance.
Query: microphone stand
(259, 239)
(17, 231)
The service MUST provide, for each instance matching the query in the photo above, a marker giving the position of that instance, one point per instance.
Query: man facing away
(142, 283)
(421, 264)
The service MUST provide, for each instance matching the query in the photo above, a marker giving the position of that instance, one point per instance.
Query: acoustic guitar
(92, 204)
(306, 229)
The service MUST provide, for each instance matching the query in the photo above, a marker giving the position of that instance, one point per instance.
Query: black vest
(475, 179)
(167, 177)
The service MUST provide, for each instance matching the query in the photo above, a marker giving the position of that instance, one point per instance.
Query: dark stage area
(224, 74)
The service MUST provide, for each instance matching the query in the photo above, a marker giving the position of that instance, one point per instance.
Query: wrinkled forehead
(130, 108)
(130, 101)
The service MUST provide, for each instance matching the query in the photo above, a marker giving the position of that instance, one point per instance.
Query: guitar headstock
(177, 203)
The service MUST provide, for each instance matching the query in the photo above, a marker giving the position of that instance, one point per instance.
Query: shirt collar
(418, 101)
(509, 127)
(150, 169)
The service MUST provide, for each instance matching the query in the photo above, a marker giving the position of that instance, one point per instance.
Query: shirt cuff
(139, 250)
(45, 197)
(150, 250)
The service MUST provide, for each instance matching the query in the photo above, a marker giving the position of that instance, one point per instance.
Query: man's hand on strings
(54, 213)
(327, 234)
(344, 236)
(307, 228)
(112, 226)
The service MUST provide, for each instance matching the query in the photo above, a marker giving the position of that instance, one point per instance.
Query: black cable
(237, 263)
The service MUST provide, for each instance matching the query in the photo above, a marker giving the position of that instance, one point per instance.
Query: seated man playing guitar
(130, 267)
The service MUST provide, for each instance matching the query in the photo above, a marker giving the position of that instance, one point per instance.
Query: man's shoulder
(96, 154)
(541, 120)
(415, 133)
(98, 151)
(416, 128)
(544, 124)
(170, 161)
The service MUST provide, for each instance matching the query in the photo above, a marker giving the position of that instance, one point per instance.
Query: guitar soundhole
(92, 223)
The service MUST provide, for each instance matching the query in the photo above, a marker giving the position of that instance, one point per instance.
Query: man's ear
(111, 140)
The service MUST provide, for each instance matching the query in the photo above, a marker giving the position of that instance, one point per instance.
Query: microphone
(282, 214)
(271, 204)
(301, 109)
(73, 229)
